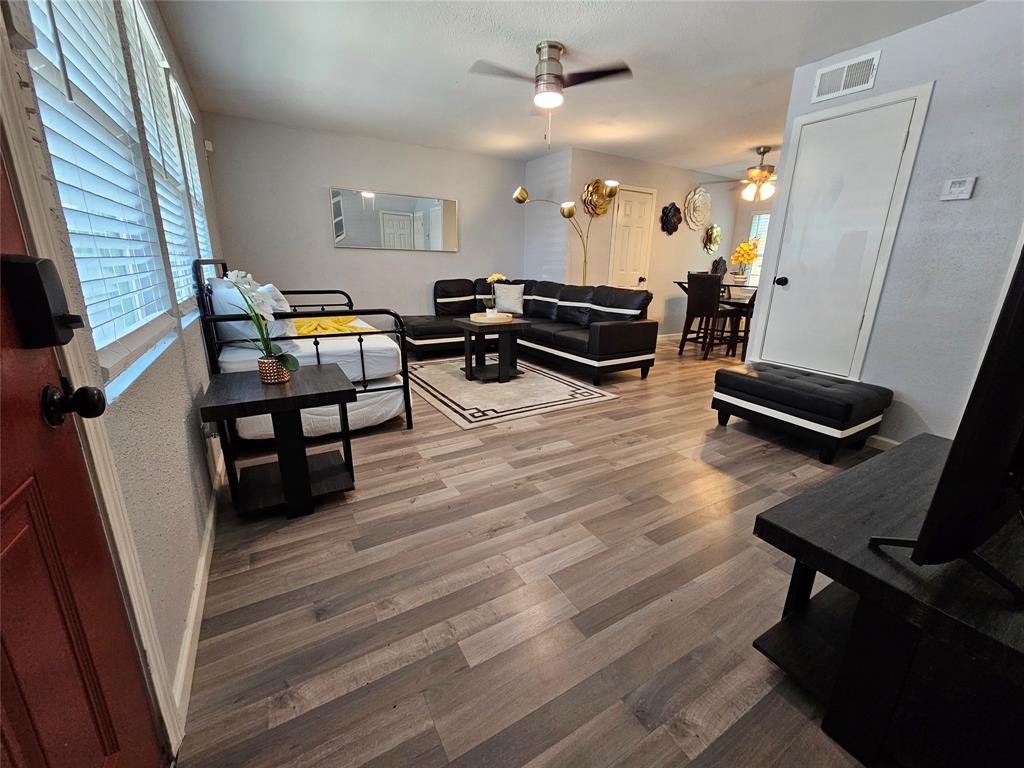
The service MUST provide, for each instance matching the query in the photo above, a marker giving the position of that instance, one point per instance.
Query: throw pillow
(508, 298)
(227, 301)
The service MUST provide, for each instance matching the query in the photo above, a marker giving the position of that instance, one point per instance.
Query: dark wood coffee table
(294, 480)
(506, 332)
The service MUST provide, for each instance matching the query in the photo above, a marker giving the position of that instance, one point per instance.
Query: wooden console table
(916, 666)
(294, 480)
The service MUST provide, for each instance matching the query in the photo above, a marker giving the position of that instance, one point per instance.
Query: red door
(72, 688)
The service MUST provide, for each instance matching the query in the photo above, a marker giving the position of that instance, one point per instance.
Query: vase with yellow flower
(491, 302)
(744, 255)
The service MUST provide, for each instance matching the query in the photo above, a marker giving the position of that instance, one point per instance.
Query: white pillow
(227, 301)
(509, 298)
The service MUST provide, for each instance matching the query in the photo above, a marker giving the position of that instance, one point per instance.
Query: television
(982, 482)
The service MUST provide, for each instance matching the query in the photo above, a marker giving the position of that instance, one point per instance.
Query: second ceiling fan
(549, 80)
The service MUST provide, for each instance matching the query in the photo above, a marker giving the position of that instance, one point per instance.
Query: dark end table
(294, 480)
(506, 332)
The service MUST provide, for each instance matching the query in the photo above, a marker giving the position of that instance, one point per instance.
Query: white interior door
(631, 238)
(396, 230)
(841, 189)
(419, 235)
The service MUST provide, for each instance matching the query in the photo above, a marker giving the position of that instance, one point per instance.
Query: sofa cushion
(610, 303)
(454, 297)
(574, 339)
(821, 398)
(574, 304)
(544, 303)
(543, 331)
(509, 298)
(481, 289)
(429, 326)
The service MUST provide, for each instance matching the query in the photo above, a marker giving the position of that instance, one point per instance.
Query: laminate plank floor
(574, 589)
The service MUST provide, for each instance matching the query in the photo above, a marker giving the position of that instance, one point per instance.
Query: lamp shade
(767, 190)
(749, 192)
(611, 188)
(520, 195)
(568, 209)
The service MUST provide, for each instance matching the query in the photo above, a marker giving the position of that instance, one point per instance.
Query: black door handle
(782, 280)
(57, 402)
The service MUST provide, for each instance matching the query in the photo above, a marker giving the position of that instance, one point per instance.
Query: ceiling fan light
(767, 190)
(520, 195)
(547, 94)
(749, 192)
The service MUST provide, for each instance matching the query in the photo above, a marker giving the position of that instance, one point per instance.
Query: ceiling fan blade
(616, 69)
(481, 67)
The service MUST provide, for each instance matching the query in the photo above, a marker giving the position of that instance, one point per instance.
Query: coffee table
(294, 480)
(507, 332)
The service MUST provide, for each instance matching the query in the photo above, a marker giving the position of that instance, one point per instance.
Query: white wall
(546, 233)
(950, 259)
(272, 185)
(671, 256)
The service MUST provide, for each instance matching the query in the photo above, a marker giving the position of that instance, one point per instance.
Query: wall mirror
(368, 219)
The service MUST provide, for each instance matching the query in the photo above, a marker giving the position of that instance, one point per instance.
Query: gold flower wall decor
(712, 239)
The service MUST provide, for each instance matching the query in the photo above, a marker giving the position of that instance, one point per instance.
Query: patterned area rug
(472, 404)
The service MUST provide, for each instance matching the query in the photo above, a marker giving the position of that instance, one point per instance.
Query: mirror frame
(334, 239)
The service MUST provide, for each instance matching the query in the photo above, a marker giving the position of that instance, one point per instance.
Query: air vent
(848, 77)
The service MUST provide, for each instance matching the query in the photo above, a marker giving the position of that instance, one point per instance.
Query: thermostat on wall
(958, 189)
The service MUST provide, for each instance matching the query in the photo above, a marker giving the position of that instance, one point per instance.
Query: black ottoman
(826, 411)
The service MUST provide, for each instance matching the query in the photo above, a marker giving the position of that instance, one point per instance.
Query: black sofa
(592, 329)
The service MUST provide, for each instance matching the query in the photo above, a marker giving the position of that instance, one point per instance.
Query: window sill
(130, 374)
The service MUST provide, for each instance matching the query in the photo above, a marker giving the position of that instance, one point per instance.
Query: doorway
(847, 178)
(396, 230)
(632, 233)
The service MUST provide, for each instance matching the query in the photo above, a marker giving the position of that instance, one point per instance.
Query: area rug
(472, 404)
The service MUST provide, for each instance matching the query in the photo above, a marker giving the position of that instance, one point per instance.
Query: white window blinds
(195, 186)
(758, 229)
(86, 109)
(151, 80)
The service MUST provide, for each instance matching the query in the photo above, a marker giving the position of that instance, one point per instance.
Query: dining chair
(740, 327)
(704, 291)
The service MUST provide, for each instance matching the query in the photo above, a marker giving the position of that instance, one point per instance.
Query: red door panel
(72, 689)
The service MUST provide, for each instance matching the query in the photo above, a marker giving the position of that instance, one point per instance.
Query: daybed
(374, 360)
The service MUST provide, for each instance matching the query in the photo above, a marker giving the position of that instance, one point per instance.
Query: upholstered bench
(826, 411)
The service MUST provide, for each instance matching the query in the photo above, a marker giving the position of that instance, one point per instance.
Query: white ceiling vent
(848, 77)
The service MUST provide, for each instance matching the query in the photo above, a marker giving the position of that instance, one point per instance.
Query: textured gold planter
(272, 372)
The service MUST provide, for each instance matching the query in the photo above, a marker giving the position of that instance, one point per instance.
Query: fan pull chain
(547, 134)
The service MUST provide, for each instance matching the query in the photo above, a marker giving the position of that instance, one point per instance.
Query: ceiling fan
(549, 80)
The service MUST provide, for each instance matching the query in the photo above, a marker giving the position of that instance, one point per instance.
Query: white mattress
(370, 408)
(382, 356)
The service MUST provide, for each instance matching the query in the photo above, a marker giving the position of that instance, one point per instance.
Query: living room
(486, 383)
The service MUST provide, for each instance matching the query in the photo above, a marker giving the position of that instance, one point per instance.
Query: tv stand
(913, 665)
(971, 558)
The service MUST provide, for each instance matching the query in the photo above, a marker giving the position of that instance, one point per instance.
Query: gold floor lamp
(596, 198)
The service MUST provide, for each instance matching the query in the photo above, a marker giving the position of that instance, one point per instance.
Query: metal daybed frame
(326, 309)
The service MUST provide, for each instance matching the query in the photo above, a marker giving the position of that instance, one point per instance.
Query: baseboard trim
(882, 443)
(186, 665)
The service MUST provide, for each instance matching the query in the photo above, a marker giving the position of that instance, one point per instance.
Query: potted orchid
(275, 365)
(744, 255)
(490, 302)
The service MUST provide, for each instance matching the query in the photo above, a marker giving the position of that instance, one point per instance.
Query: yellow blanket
(317, 326)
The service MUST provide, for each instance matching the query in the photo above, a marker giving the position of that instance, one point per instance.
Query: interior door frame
(74, 360)
(650, 235)
(921, 96)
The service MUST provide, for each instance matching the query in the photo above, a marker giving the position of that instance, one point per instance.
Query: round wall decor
(712, 238)
(697, 208)
(671, 217)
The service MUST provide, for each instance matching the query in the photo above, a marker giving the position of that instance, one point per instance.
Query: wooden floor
(575, 589)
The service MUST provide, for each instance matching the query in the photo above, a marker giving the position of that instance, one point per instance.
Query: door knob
(57, 402)
(641, 279)
(782, 280)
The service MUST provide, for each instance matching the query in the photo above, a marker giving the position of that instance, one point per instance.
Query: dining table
(728, 284)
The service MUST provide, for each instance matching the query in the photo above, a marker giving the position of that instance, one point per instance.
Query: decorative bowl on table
(483, 317)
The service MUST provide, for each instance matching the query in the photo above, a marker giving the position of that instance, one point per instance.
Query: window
(195, 186)
(86, 109)
(158, 117)
(758, 229)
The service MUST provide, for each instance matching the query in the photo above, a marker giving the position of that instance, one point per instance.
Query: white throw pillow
(509, 298)
(227, 301)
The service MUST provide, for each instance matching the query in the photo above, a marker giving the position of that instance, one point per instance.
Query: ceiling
(711, 79)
